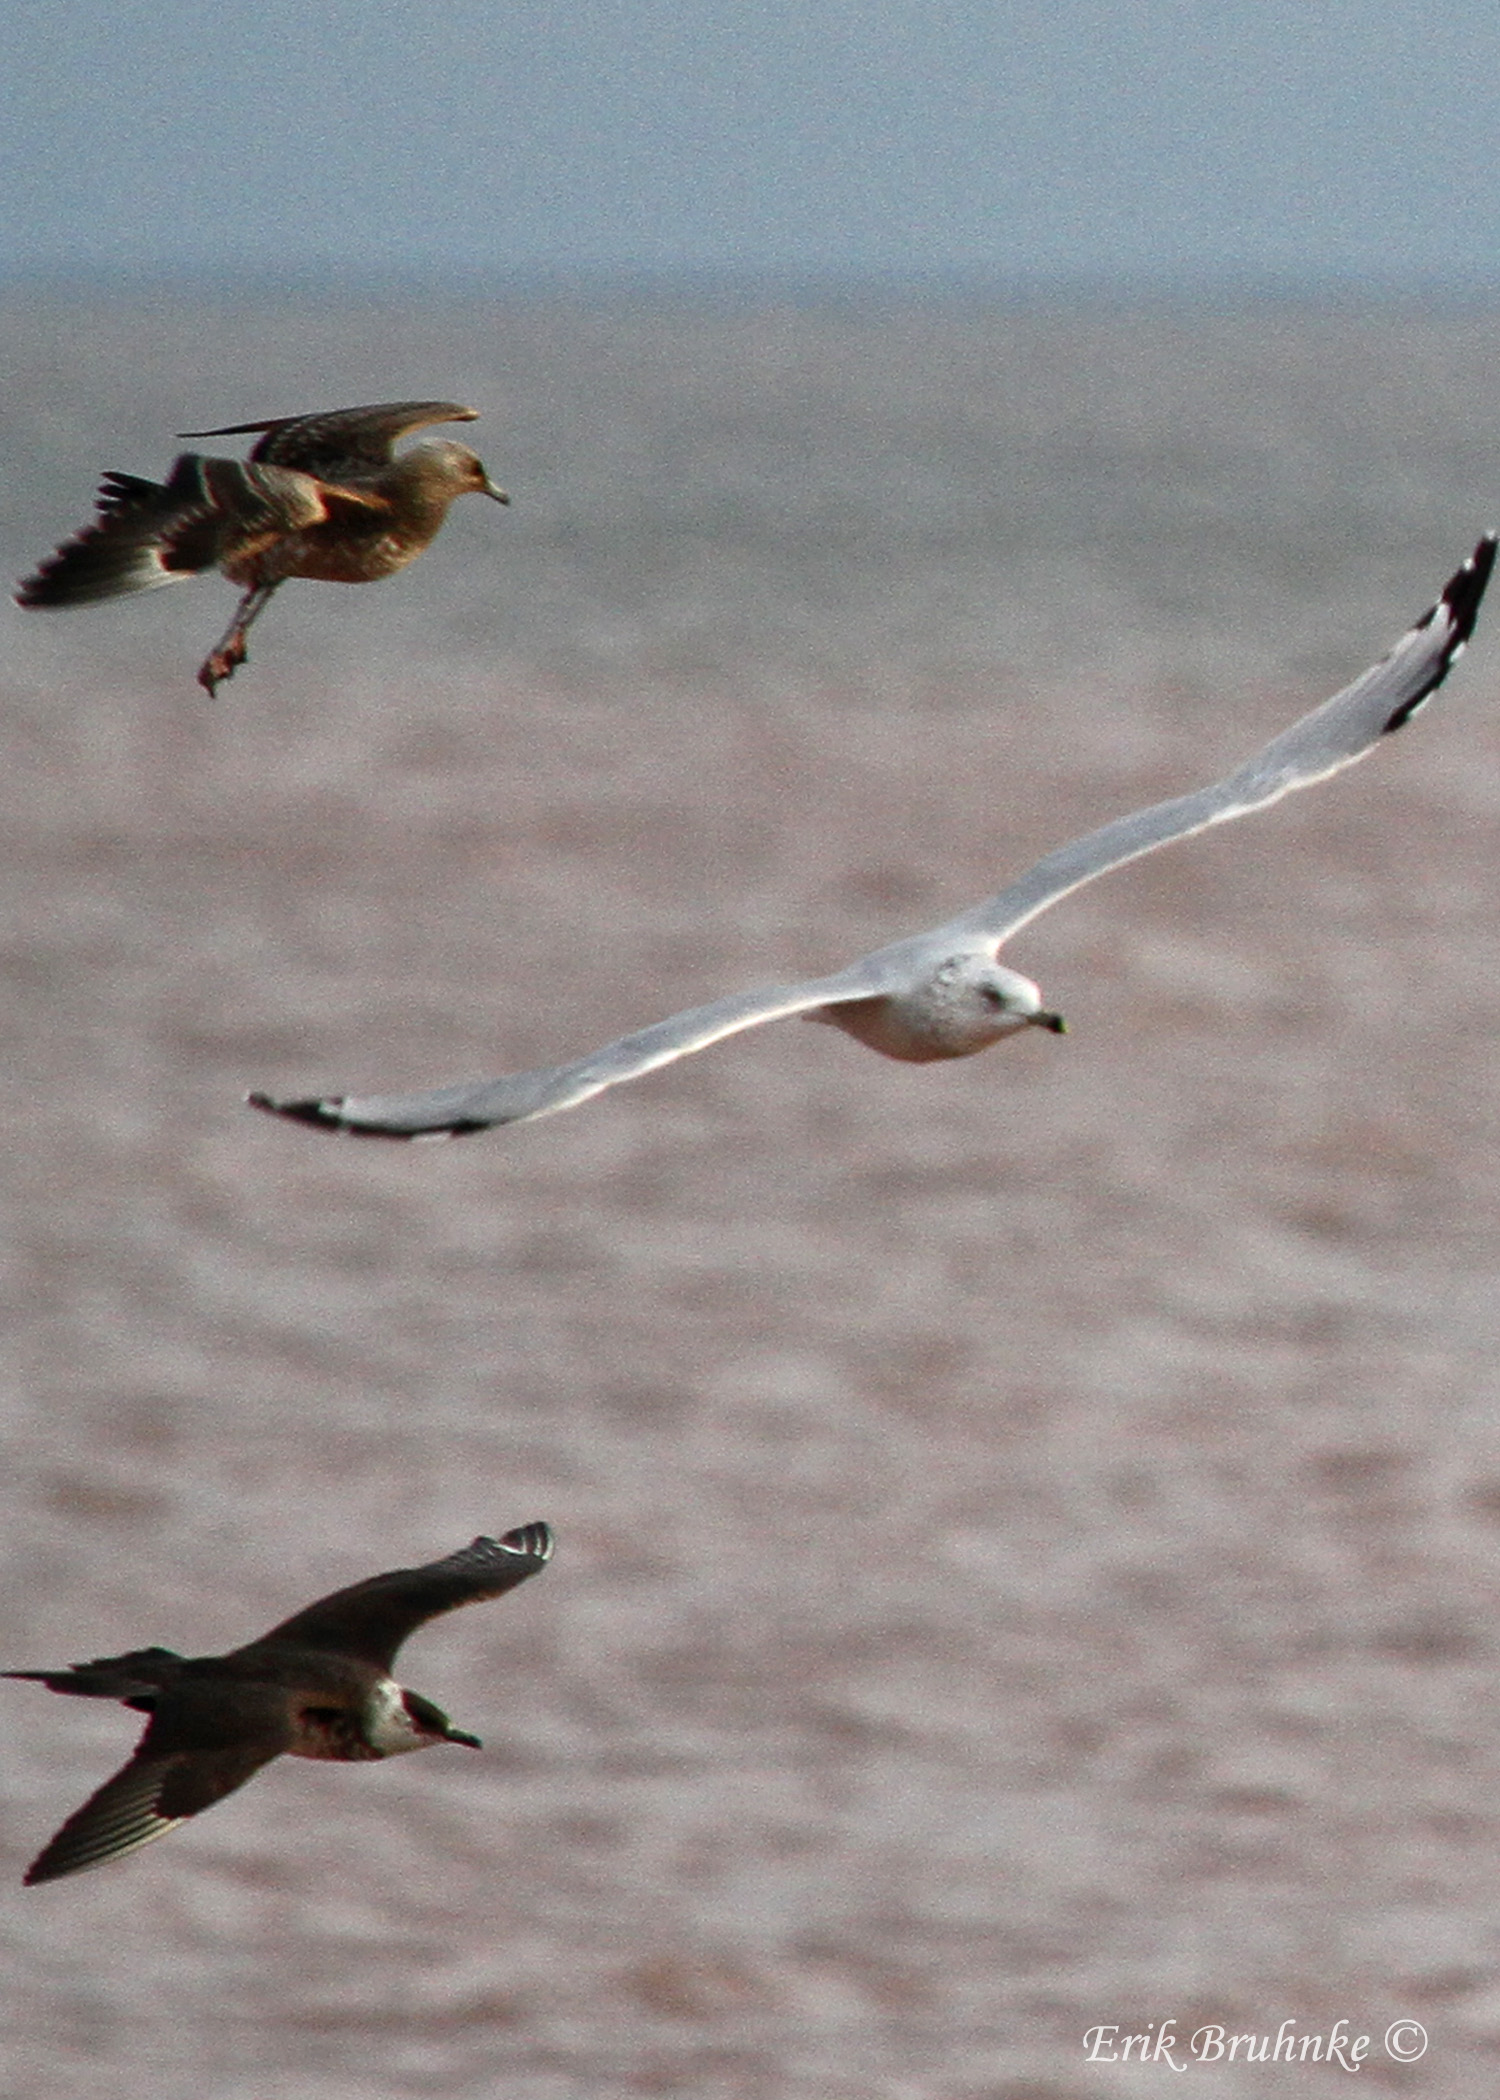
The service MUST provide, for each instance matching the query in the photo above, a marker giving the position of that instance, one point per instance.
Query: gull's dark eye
(993, 995)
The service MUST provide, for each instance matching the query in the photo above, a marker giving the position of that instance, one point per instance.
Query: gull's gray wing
(330, 443)
(1342, 730)
(371, 1619)
(455, 1111)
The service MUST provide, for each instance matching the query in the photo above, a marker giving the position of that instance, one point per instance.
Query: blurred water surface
(1030, 1530)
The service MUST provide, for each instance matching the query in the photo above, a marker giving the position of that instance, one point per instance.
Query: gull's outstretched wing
(371, 1619)
(329, 444)
(1334, 735)
(455, 1111)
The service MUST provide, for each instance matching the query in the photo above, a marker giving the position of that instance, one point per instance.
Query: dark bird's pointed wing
(174, 1774)
(371, 1619)
(339, 440)
(1334, 735)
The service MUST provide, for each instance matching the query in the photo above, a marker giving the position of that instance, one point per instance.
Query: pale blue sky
(1124, 137)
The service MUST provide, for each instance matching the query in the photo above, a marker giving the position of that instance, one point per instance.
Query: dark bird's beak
(457, 1735)
(490, 489)
(1055, 1022)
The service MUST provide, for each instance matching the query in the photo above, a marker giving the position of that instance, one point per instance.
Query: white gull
(943, 993)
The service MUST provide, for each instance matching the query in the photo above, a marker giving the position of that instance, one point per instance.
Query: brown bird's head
(454, 469)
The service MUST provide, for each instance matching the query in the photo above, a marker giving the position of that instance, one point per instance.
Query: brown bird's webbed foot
(224, 661)
(232, 648)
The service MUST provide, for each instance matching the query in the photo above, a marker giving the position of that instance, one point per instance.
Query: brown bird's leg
(232, 649)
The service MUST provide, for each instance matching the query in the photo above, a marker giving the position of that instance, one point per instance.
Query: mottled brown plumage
(323, 496)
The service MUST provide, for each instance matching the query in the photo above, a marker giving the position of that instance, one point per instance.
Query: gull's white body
(966, 1003)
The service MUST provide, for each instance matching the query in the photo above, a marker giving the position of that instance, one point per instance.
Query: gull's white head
(1016, 998)
(986, 1001)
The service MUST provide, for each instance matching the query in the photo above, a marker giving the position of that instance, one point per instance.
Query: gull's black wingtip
(1459, 600)
(331, 1112)
(1463, 592)
(322, 1115)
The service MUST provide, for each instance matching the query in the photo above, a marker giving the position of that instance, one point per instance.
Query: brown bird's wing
(258, 499)
(182, 1765)
(147, 533)
(342, 440)
(371, 1619)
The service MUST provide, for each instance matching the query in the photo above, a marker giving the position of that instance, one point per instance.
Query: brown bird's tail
(133, 1678)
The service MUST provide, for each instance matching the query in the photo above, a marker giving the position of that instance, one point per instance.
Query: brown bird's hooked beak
(489, 489)
(1055, 1022)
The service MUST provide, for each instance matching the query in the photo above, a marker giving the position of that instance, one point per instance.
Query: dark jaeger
(318, 1685)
